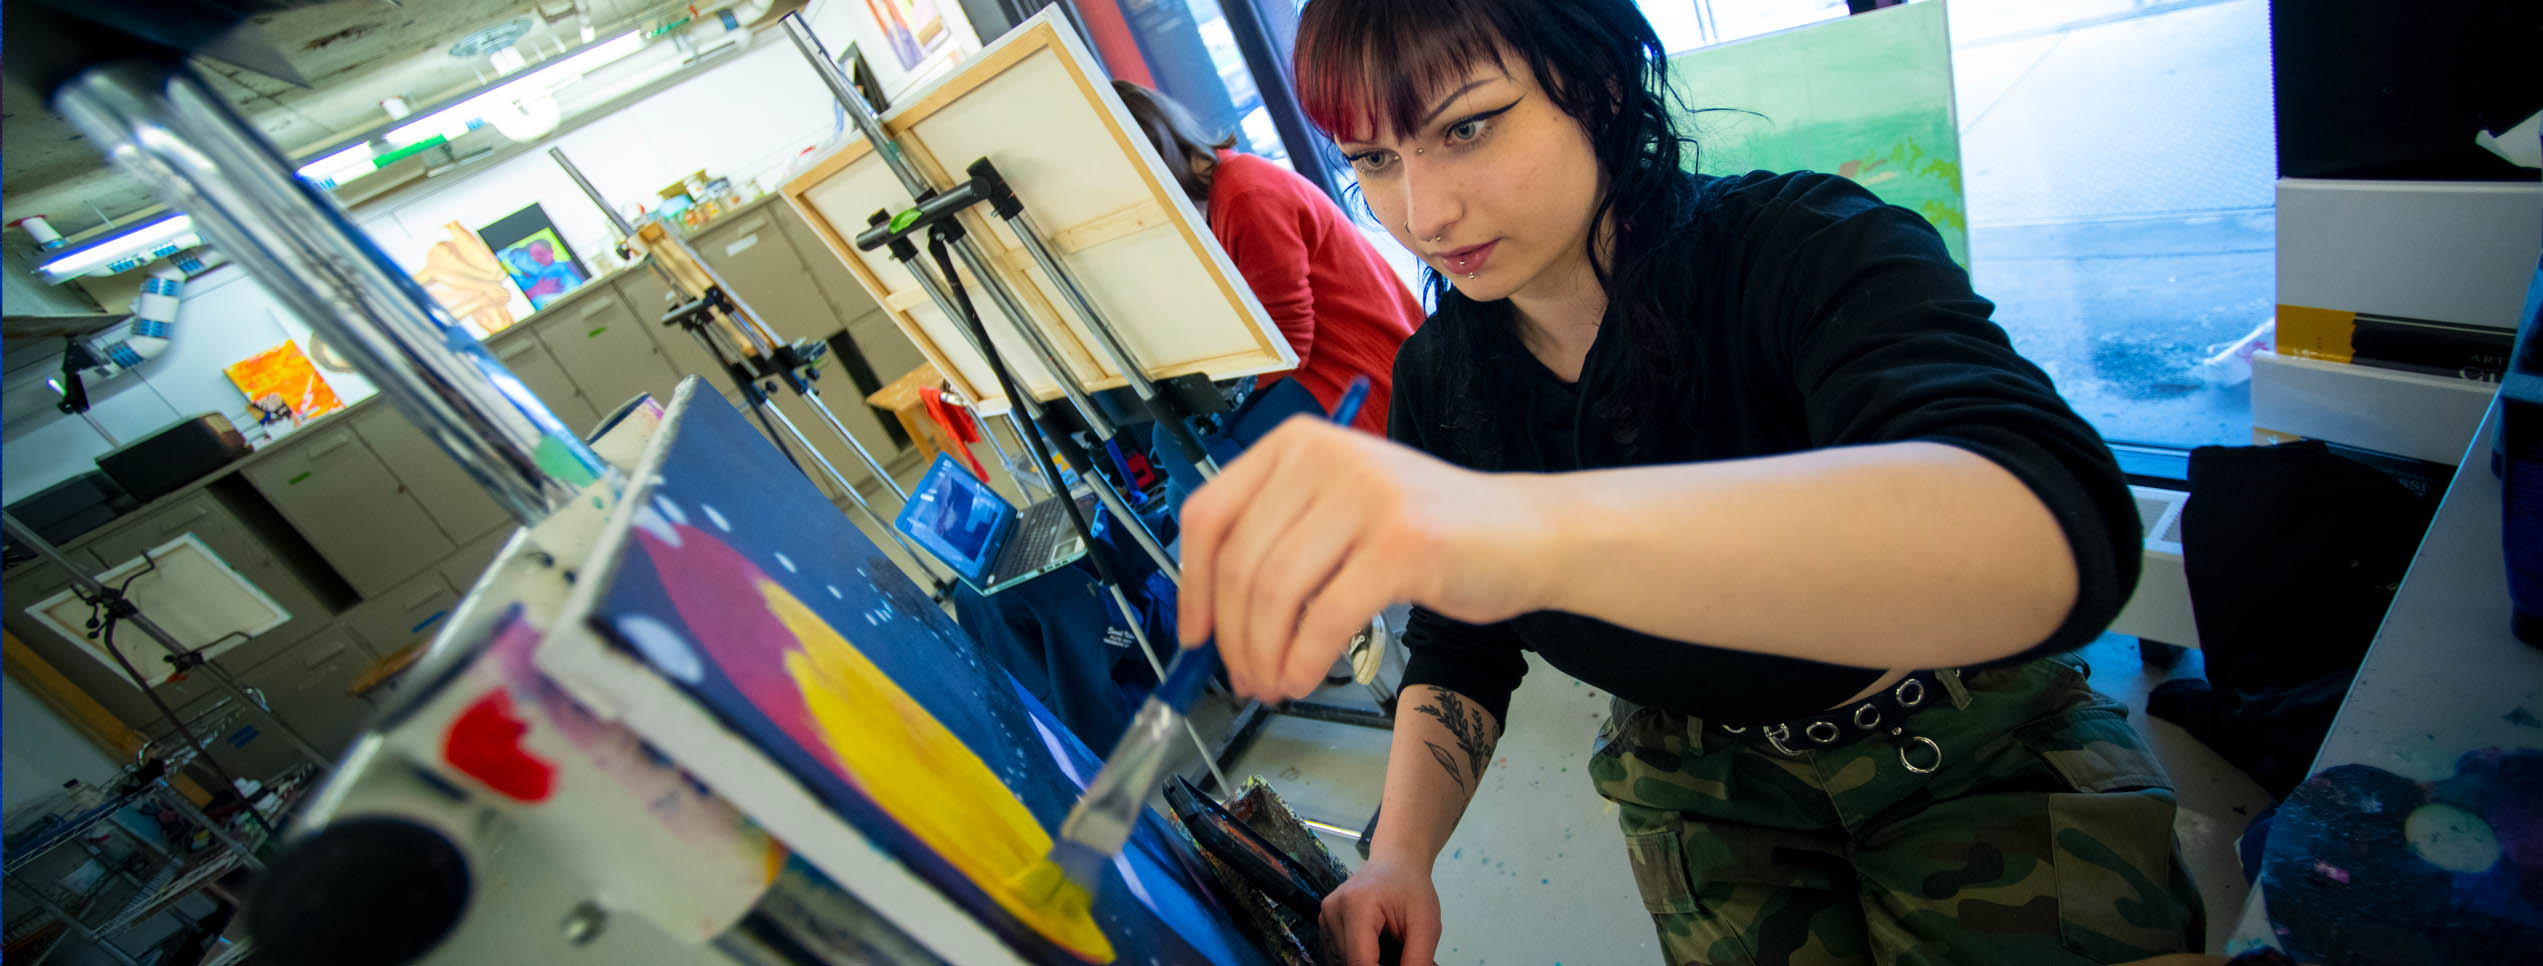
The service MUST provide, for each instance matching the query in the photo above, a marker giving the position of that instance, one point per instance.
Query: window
(2118, 159)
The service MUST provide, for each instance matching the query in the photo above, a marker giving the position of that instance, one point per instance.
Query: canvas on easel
(192, 593)
(1034, 104)
(745, 629)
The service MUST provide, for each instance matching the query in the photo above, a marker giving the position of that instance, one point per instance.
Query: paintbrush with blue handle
(1100, 825)
(1097, 828)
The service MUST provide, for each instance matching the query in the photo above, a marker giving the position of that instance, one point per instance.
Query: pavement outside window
(2119, 158)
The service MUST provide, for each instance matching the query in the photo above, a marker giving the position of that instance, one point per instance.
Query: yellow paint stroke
(924, 777)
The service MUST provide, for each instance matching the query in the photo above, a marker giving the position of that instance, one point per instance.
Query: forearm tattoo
(1467, 726)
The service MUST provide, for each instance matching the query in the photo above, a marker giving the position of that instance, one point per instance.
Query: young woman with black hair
(1749, 454)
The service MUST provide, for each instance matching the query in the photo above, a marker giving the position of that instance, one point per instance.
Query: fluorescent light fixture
(525, 102)
(346, 165)
(123, 252)
(454, 121)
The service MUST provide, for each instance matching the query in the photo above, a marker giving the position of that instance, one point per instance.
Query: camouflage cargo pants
(2043, 837)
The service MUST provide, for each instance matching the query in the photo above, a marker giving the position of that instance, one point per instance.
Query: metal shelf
(175, 877)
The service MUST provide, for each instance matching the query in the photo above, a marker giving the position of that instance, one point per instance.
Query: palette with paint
(2365, 866)
(749, 632)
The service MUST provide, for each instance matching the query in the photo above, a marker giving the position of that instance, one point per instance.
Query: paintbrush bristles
(1065, 882)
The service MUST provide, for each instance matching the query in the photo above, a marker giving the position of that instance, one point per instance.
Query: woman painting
(1747, 453)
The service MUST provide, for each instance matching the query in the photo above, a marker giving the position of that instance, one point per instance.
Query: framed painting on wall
(534, 255)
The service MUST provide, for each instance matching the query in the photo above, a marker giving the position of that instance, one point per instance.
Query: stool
(905, 404)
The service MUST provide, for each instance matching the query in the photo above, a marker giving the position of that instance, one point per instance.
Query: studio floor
(1536, 872)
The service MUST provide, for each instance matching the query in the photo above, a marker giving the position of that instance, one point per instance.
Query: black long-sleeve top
(1816, 317)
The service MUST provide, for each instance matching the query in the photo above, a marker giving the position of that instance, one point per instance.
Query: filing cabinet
(454, 499)
(757, 258)
(605, 351)
(462, 569)
(403, 616)
(530, 362)
(307, 686)
(345, 502)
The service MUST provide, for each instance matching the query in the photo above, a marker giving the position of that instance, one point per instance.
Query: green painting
(1867, 97)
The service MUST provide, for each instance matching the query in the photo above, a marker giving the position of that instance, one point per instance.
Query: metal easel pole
(1034, 417)
(913, 181)
(760, 335)
(768, 345)
(1002, 199)
(970, 321)
(89, 588)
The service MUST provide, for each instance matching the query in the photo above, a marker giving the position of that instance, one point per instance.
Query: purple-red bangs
(1370, 67)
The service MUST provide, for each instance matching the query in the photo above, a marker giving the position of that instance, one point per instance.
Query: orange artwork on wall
(283, 371)
(463, 275)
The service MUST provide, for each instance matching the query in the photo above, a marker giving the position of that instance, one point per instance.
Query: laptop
(980, 535)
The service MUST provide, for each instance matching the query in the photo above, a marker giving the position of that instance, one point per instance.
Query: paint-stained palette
(859, 724)
(2366, 866)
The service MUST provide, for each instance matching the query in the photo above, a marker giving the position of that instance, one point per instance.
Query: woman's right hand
(1317, 527)
(1387, 897)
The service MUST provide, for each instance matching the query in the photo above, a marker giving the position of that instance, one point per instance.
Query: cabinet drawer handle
(428, 621)
(173, 526)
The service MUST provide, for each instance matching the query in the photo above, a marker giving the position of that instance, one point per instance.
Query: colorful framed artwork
(535, 256)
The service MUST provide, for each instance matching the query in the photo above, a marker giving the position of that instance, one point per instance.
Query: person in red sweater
(1343, 309)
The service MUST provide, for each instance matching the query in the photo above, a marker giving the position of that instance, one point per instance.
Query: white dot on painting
(834, 591)
(783, 562)
(716, 518)
(2451, 838)
(667, 649)
(670, 511)
(652, 522)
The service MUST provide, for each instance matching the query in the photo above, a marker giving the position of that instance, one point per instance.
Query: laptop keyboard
(1040, 534)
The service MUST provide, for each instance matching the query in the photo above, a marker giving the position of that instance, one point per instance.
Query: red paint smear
(484, 743)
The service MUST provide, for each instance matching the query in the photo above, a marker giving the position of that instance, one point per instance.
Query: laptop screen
(962, 515)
